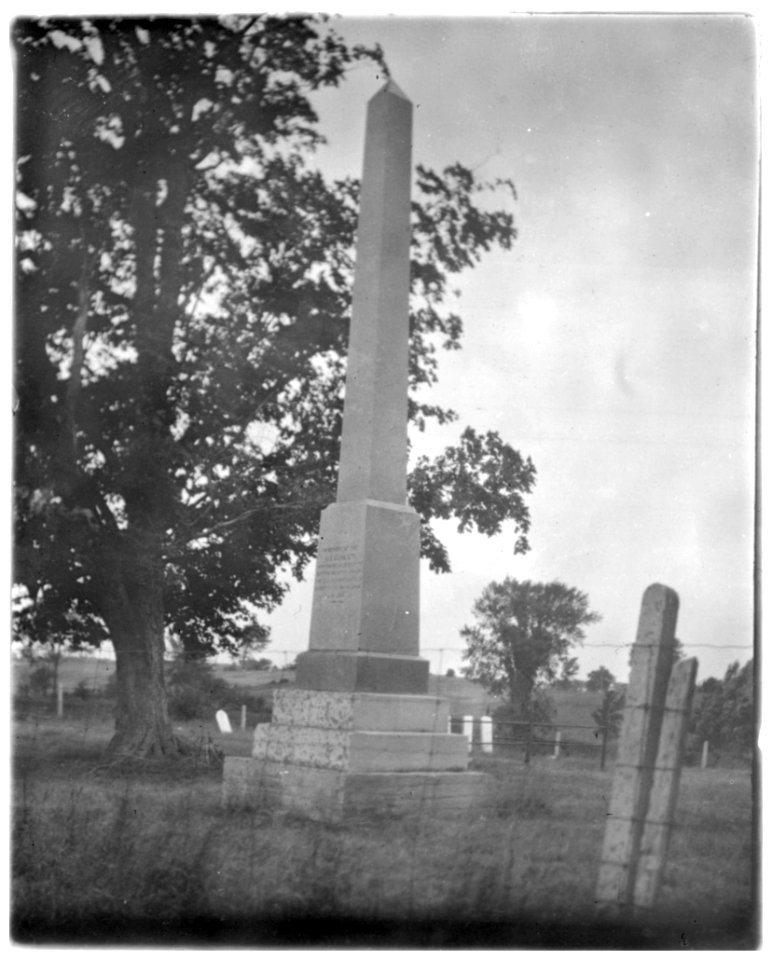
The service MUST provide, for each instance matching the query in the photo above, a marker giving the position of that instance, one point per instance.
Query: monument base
(331, 755)
(364, 672)
(334, 795)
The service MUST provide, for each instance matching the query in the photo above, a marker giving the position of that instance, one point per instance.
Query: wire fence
(522, 740)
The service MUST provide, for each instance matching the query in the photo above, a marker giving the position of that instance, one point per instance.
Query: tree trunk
(520, 694)
(135, 620)
(135, 606)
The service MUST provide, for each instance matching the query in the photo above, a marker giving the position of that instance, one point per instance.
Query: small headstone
(486, 734)
(468, 724)
(223, 722)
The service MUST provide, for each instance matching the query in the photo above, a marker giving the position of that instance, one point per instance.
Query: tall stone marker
(364, 620)
(648, 766)
(360, 733)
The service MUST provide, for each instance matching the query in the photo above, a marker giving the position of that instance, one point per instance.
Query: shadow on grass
(308, 930)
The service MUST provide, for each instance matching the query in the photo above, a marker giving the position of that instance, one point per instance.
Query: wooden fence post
(704, 761)
(604, 747)
(664, 788)
(652, 659)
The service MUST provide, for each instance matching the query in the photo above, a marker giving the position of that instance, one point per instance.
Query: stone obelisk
(364, 621)
(359, 732)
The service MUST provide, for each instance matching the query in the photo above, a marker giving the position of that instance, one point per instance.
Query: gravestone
(360, 732)
(648, 766)
(223, 722)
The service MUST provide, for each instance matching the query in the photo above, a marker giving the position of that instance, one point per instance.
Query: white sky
(615, 344)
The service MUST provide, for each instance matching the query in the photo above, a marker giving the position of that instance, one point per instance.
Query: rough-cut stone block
(305, 746)
(334, 795)
(380, 751)
(359, 750)
(360, 711)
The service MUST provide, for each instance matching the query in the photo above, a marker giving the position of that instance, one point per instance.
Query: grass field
(144, 854)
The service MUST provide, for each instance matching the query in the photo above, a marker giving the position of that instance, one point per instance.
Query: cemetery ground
(143, 853)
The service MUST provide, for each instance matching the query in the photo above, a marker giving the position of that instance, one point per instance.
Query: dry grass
(145, 854)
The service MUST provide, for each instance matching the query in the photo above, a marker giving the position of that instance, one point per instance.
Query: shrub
(22, 701)
(84, 690)
(262, 664)
(41, 680)
(193, 690)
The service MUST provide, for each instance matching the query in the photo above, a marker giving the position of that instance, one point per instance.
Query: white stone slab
(223, 722)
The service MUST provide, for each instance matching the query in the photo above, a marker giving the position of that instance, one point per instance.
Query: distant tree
(46, 632)
(450, 672)
(262, 663)
(568, 672)
(724, 712)
(609, 714)
(255, 637)
(600, 679)
(524, 633)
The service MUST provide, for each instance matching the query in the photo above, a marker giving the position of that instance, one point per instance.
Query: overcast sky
(615, 344)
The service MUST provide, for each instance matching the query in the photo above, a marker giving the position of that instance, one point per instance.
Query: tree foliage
(524, 632)
(600, 679)
(183, 288)
(609, 714)
(568, 671)
(724, 712)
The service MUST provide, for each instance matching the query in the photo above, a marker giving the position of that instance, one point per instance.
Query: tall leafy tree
(724, 713)
(183, 288)
(568, 671)
(609, 714)
(523, 632)
(600, 679)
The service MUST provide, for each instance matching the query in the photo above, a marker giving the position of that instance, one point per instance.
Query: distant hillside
(91, 671)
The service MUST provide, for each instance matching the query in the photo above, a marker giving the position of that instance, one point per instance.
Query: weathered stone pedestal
(332, 755)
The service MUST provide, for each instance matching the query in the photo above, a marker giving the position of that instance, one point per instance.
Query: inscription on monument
(339, 572)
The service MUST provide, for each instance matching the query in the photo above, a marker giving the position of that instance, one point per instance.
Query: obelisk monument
(359, 732)
(364, 621)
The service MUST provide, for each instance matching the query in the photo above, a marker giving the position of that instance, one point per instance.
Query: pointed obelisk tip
(391, 87)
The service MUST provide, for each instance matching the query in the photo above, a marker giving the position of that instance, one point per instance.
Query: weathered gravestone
(648, 765)
(360, 733)
(223, 722)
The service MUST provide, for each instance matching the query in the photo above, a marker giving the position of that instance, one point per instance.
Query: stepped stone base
(335, 795)
(330, 755)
